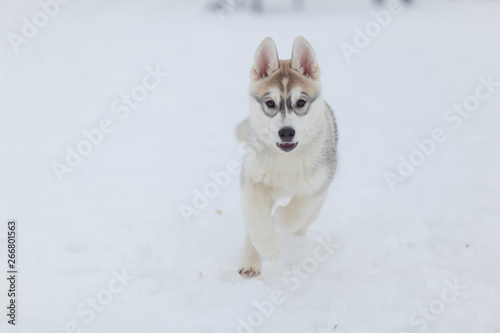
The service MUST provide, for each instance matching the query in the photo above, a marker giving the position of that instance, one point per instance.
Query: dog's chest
(291, 175)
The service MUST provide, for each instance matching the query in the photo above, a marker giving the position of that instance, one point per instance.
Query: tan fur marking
(285, 85)
(286, 78)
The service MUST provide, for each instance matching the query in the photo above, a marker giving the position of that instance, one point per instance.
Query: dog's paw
(249, 272)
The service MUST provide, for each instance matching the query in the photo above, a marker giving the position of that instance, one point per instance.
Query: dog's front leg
(299, 213)
(251, 262)
(258, 220)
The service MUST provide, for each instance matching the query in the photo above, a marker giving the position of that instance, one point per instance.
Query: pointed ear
(265, 60)
(304, 59)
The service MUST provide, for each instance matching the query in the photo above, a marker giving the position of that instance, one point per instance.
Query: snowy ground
(396, 253)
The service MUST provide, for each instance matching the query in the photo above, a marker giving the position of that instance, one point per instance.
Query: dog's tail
(243, 131)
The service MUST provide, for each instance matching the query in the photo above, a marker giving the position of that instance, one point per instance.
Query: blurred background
(114, 115)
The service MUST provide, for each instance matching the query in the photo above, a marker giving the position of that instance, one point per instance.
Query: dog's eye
(270, 104)
(301, 103)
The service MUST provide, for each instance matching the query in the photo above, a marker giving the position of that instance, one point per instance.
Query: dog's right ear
(265, 60)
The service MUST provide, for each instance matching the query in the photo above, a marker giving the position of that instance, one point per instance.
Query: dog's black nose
(286, 134)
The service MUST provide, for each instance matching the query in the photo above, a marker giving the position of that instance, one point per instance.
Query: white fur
(270, 174)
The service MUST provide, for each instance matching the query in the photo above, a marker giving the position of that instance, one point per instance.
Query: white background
(118, 210)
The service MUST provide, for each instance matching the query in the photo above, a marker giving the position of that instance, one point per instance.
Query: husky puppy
(291, 138)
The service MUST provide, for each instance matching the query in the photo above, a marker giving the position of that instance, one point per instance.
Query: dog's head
(284, 95)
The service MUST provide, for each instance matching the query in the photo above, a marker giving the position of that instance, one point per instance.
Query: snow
(393, 253)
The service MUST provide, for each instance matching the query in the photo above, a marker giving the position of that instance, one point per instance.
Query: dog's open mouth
(287, 147)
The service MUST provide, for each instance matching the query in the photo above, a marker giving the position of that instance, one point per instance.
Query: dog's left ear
(304, 59)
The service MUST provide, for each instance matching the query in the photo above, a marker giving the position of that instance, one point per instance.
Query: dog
(291, 140)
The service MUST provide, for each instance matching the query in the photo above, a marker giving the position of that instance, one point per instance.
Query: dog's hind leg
(299, 213)
(251, 262)
(314, 215)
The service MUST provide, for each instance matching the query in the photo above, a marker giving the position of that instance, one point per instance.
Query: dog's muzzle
(286, 135)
